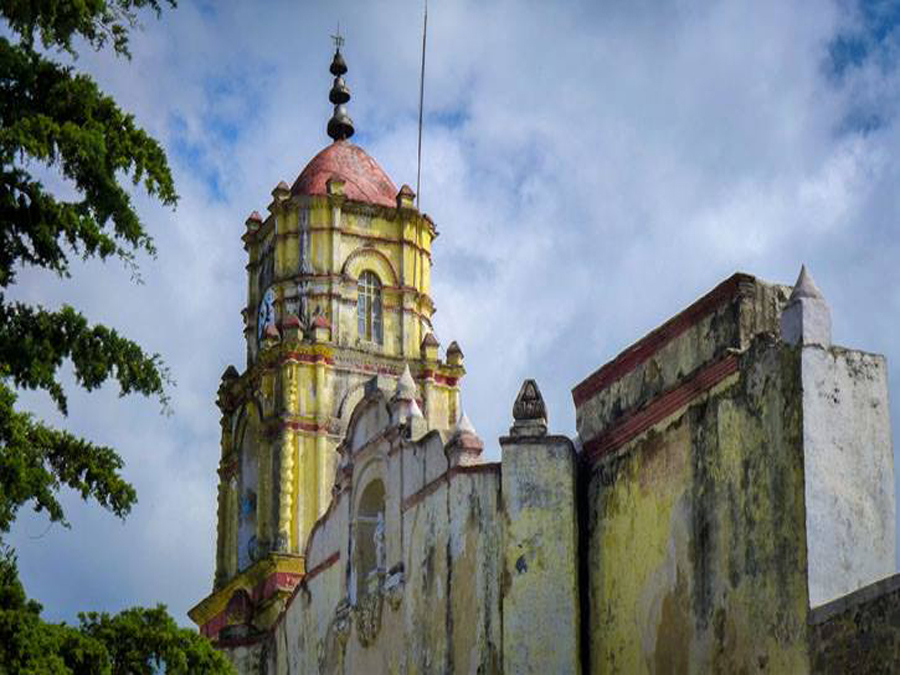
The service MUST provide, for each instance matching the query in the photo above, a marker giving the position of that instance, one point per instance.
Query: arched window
(370, 558)
(368, 307)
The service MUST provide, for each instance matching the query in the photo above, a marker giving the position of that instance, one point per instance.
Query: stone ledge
(861, 596)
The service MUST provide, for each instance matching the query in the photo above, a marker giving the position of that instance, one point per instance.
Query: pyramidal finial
(464, 447)
(806, 319)
(340, 126)
(404, 406)
(805, 287)
(464, 425)
(529, 411)
(406, 386)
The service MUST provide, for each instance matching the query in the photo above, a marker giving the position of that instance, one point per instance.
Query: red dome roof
(364, 180)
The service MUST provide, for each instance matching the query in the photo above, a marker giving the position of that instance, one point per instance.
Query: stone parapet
(722, 321)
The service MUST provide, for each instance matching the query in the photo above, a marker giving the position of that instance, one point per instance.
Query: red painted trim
(304, 426)
(322, 566)
(660, 407)
(447, 380)
(647, 346)
(279, 581)
(439, 378)
(212, 627)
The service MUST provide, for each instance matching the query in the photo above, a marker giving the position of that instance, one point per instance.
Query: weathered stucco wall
(433, 605)
(695, 561)
(849, 460)
(541, 627)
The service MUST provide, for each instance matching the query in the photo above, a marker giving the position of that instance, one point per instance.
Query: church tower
(338, 299)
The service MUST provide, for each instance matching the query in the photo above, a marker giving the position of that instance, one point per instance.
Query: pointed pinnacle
(406, 387)
(464, 425)
(805, 287)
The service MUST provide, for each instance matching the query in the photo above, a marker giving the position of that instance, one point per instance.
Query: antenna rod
(421, 99)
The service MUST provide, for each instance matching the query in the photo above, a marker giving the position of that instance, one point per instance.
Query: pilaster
(541, 611)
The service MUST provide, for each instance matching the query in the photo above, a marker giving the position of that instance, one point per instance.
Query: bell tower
(338, 297)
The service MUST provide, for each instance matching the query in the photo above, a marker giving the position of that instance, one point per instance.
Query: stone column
(221, 575)
(541, 611)
(285, 491)
(286, 451)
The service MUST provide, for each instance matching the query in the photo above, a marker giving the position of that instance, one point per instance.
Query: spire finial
(806, 319)
(340, 126)
(337, 38)
(805, 286)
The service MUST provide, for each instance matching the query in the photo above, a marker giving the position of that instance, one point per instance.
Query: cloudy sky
(592, 167)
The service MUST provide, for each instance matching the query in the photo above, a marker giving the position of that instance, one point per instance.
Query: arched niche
(348, 405)
(247, 442)
(369, 540)
(371, 415)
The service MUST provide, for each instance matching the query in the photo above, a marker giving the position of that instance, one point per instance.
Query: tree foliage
(136, 641)
(54, 119)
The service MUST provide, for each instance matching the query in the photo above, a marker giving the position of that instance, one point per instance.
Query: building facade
(727, 504)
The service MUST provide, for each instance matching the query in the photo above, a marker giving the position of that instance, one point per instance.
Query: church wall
(475, 579)
(439, 606)
(849, 460)
(675, 540)
(696, 555)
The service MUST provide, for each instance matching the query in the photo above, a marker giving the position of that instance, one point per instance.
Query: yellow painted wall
(300, 400)
(696, 551)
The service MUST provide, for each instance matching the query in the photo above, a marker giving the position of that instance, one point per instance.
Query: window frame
(370, 308)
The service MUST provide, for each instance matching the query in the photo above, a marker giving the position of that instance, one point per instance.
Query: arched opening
(370, 555)
(248, 486)
(368, 308)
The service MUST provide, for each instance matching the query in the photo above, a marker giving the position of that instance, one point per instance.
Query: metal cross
(338, 39)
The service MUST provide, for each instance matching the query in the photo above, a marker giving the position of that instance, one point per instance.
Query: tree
(56, 118)
(136, 640)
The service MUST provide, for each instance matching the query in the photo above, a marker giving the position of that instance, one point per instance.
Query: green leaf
(36, 461)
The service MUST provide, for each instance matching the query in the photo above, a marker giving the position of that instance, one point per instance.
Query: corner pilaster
(541, 611)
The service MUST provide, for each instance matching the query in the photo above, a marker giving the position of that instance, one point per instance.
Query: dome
(364, 180)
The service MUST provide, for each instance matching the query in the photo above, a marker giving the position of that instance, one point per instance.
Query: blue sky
(592, 168)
